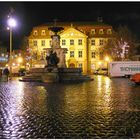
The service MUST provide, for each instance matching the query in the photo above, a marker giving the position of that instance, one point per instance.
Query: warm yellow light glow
(6, 65)
(99, 62)
(13, 64)
(107, 59)
(20, 60)
(71, 34)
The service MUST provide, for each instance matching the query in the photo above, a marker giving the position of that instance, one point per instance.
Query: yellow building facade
(84, 43)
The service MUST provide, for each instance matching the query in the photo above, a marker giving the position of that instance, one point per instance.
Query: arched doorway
(71, 65)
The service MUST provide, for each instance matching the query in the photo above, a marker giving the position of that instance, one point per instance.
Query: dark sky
(30, 14)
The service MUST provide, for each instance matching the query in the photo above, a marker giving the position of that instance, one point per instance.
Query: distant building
(84, 42)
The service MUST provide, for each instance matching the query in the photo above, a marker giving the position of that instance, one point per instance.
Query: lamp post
(11, 24)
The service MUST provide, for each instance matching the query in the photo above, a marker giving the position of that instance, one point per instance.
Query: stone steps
(31, 78)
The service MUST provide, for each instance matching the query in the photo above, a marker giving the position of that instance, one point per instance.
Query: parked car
(101, 71)
(135, 78)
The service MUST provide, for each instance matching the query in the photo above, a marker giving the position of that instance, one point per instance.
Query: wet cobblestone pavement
(103, 108)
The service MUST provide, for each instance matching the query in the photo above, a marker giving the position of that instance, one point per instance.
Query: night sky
(30, 14)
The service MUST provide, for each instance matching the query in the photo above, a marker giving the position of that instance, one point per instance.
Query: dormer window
(93, 31)
(35, 32)
(101, 31)
(109, 31)
(43, 32)
(50, 33)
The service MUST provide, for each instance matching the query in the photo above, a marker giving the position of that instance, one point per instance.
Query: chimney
(100, 19)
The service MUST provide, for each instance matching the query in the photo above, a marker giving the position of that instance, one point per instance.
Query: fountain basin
(56, 75)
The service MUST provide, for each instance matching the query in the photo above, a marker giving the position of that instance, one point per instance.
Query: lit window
(109, 31)
(71, 42)
(43, 42)
(93, 42)
(101, 42)
(93, 31)
(71, 53)
(93, 54)
(43, 32)
(80, 42)
(35, 32)
(101, 31)
(80, 65)
(80, 54)
(35, 42)
(63, 42)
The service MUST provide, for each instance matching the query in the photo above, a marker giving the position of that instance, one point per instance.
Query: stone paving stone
(70, 113)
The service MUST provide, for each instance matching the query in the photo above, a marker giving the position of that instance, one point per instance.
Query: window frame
(43, 32)
(63, 42)
(71, 40)
(35, 32)
(101, 42)
(109, 31)
(93, 31)
(80, 42)
(35, 44)
(92, 44)
(101, 31)
(71, 54)
(93, 54)
(43, 42)
(80, 54)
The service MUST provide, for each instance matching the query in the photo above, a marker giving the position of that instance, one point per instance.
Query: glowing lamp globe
(20, 60)
(107, 59)
(11, 22)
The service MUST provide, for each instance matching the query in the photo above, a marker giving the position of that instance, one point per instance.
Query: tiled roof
(75, 24)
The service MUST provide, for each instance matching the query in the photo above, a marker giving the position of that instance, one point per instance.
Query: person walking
(6, 74)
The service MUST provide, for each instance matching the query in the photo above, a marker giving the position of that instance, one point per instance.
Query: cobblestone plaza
(103, 108)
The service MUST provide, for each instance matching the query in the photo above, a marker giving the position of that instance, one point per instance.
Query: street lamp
(107, 59)
(11, 24)
(20, 60)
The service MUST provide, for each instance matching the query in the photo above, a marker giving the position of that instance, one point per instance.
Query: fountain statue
(55, 55)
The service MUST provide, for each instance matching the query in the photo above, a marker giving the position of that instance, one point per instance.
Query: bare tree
(122, 46)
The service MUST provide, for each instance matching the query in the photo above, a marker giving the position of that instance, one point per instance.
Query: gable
(72, 33)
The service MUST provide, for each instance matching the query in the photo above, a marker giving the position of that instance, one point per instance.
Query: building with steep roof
(84, 41)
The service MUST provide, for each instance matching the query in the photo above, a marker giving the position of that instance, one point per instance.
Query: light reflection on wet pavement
(103, 108)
